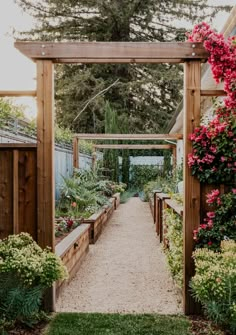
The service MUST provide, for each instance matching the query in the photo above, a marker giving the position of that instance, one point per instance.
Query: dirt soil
(125, 271)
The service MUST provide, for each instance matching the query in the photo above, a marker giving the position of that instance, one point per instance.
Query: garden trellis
(45, 54)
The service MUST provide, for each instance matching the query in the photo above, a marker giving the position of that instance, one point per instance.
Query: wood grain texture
(177, 208)
(144, 137)
(18, 93)
(28, 192)
(133, 146)
(213, 93)
(16, 229)
(6, 193)
(191, 216)
(76, 152)
(45, 164)
(107, 51)
(18, 194)
(118, 60)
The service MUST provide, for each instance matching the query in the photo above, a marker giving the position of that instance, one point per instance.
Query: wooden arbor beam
(45, 163)
(133, 146)
(191, 215)
(18, 93)
(141, 137)
(110, 52)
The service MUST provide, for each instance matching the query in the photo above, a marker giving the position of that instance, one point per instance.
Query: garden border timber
(47, 53)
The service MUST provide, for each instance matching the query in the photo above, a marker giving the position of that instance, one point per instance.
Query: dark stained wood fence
(18, 189)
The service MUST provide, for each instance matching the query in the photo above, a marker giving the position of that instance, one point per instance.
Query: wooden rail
(18, 93)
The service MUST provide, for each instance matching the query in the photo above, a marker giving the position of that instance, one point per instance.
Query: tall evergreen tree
(148, 94)
(110, 157)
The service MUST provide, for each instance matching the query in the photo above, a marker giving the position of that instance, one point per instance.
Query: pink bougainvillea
(214, 145)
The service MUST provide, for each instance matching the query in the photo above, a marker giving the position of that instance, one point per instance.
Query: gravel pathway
(125, 271)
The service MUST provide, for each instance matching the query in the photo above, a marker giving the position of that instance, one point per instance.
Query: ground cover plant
(214, 283)
(26, 271)
(117, 324)
(173, 234)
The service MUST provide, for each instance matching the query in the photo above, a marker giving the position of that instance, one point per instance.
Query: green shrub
(174, 235)
(214, 283)
(142, 174)
(83, 194)
(26, 271)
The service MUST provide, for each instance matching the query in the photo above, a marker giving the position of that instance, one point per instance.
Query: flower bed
(72, 250)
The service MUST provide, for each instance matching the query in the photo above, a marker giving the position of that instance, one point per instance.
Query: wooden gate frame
(45, 54)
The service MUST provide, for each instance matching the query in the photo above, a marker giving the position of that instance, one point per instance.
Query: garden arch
(45, 54)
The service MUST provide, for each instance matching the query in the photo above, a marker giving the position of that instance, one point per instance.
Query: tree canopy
(147, 94)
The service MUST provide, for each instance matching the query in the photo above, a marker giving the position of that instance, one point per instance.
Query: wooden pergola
(133, 147)
(123, 137)
(45, 54)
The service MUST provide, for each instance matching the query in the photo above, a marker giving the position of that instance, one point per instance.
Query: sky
(16, 71)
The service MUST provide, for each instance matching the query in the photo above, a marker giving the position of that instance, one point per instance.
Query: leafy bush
(142, 174)
(26, 271)
(219, 223)
(173, 233)
(83, 194)
(214, 284)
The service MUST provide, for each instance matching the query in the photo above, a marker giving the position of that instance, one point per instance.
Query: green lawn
(116, 324)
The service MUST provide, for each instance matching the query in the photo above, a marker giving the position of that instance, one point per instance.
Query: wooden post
(76, 152)
(45, 162)
(174, 157)
(191, 215)
(15, 192)
(94, 156)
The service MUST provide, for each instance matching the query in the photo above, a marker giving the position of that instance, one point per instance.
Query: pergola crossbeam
(108, 52)
(133, 146)
(141, 137)
(19, 93)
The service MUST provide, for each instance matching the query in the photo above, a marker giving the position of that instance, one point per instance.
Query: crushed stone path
(125, 271)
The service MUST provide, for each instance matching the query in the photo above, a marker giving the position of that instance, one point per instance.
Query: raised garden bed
(72, 250)
(98, 220)
(151, 205)
(116, 196)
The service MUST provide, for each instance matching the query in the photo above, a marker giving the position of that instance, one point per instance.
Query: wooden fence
(18, 189)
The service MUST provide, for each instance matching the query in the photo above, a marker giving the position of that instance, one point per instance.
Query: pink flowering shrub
(213, 159)
(220, 223)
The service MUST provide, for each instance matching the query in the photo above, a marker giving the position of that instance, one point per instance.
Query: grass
(117, 324)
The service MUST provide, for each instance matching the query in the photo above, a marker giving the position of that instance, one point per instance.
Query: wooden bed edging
(117, 199)
(151, 205)
(178, 209)
(98, 220)
(72, 250)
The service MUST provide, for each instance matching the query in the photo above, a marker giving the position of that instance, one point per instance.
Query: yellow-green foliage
(214, 283)
(174, 226)
(21, 255)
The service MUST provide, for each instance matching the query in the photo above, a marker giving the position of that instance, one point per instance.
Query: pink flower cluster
(213, 196)
(222, 58)
(214, 145)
